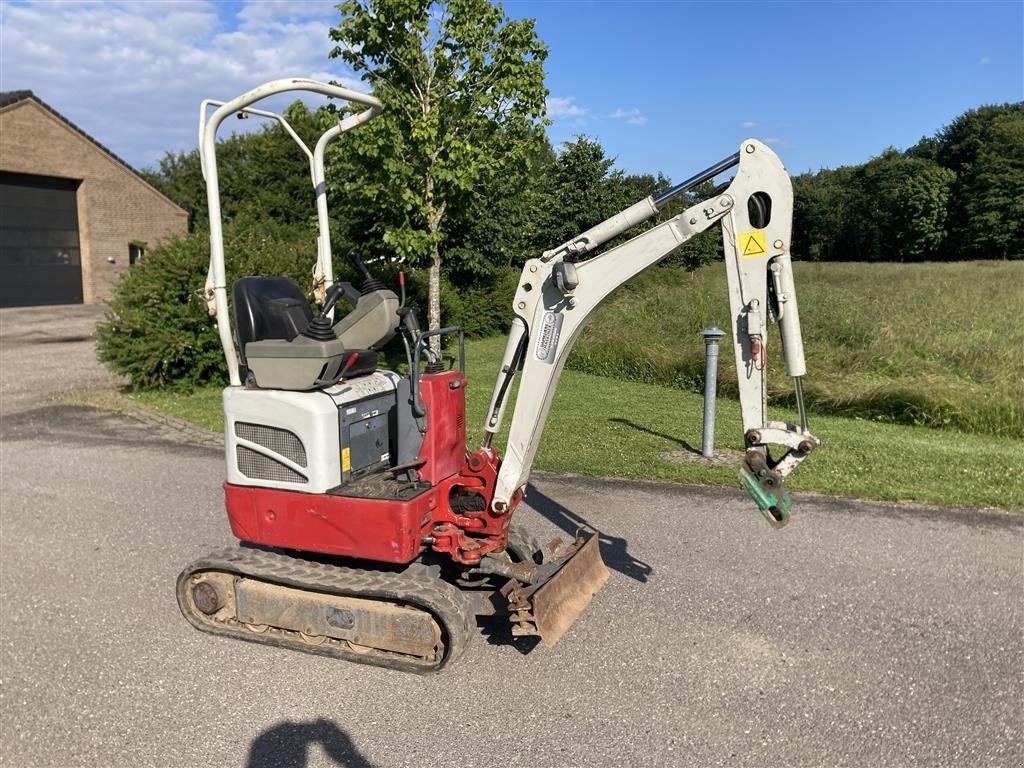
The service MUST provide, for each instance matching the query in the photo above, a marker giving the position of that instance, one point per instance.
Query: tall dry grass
(939, 344)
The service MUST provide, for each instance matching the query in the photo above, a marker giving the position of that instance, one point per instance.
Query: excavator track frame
(450, 612)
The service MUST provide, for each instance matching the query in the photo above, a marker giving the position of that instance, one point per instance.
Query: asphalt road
(862, 634)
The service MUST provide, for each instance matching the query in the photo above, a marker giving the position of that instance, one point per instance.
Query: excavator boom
(559, 291)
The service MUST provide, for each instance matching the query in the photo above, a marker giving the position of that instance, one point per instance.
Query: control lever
(409, 320)
(337, 291)
(321, 328)
(348, 364)
(370, 283)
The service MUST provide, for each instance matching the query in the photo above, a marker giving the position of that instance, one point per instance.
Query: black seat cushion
(268, 308)
(365, 362)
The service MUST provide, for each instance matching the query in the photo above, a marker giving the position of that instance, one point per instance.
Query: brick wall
(115, 206)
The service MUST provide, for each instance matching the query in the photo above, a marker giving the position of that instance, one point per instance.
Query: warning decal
(346, 459)
(752, 243)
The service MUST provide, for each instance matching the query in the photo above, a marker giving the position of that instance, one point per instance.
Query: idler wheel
(207, 597)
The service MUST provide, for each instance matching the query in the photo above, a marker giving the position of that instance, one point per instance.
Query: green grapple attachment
(770, 496)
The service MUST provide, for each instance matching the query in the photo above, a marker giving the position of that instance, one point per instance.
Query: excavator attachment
(775, 502)
(558, 592)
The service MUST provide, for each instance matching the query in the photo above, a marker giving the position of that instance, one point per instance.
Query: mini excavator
(368, 531)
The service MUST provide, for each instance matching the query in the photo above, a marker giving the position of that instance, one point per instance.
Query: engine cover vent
(257, 466)
(280, 441)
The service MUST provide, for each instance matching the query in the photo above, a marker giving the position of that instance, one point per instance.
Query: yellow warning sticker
(346, 459)
(753, 243)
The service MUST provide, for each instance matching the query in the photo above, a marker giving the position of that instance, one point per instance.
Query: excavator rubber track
(397, 620)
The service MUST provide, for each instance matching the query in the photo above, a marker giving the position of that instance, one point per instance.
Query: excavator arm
(558, 293)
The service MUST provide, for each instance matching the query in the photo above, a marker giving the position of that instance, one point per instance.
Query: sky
(666, 86)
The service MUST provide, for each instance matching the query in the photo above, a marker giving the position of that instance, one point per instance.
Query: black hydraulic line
(507, 375)
(706, 175)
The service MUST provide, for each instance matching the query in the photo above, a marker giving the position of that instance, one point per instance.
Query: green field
(601, 426)
(937, 344)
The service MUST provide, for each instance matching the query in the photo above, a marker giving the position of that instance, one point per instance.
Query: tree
(907, 200)
(827, 215)
(463, 93)
(505, 224)
(985, 148)
(264, 176)
(582, 190)
(992, 194)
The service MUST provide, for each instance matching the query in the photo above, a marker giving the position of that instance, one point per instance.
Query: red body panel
(444, 445)
(375, 529)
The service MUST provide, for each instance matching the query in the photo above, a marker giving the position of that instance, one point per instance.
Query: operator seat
(274, 309)
(268, 308)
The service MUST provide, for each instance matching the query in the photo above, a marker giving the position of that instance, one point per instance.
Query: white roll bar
(216, 290)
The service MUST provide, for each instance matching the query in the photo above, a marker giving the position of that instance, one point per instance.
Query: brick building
(73, 215)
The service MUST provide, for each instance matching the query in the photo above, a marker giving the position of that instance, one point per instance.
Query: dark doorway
(40, 256)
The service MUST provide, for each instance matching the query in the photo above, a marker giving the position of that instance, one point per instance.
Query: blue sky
(665, 86)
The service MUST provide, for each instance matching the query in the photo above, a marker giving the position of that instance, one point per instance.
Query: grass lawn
(604, 426)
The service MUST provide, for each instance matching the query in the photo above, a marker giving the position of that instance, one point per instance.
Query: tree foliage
(953, 196)
(583, 188)
(985, 149)
(463, 93)
(264, 175)
(906, 202)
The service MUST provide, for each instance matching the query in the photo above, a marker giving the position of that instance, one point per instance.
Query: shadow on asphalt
(84, 425)
(286, 745)
(497, 630)
(614, 550)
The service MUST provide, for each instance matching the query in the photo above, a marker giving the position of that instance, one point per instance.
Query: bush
(481, 311)
(157, 331)
(159, 334)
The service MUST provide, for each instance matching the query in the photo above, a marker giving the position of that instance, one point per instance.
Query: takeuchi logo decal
(547, 339)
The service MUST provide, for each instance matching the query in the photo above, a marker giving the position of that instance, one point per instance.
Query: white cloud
(632, 116)
(564, 108)
(262, 12)
(750, 124)
(985, 60)
(132, 74)
(775, 141)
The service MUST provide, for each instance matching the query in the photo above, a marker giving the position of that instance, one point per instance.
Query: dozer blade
(550, 608)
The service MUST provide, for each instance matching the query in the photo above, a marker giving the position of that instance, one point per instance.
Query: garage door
(40, 260)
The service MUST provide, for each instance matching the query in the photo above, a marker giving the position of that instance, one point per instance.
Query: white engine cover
(290, 440)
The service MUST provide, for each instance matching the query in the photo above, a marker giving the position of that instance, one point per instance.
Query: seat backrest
(268, 308)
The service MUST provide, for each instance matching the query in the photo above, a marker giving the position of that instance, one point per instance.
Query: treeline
(520, 212)
(958, 195)
(955, 196)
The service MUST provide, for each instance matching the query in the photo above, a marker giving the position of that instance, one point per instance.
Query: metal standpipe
(712, 336)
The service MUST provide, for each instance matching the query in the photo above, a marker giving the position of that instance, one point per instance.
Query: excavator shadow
(614, 553)
(614, 549)
(495, 630)
(286, 745)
